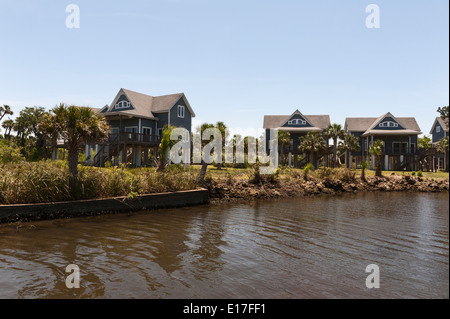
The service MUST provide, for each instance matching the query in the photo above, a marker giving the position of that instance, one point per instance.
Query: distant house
(399, 135)
(439, 130)
(136, 122)
(297, 125)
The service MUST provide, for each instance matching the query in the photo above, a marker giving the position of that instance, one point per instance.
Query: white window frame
(147, 127)
(122, 105)
(182, 109)
(297, 122)
(114, 130)
(388, 124)
(438, 129)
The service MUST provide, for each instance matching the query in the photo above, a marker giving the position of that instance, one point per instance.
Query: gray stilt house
(439, 130)
(297, 125)
(399, 135)
(136, 123)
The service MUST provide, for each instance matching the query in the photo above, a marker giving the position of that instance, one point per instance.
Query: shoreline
(223, 192)
(104, 206)
(217, 192)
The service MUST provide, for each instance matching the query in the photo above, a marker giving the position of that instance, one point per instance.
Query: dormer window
(388, 124)
(297, 122)
(181, 111)
(122, 105)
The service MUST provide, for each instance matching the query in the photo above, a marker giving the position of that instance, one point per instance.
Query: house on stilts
(136, 123)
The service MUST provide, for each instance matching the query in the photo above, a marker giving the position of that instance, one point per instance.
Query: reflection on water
(292, 248)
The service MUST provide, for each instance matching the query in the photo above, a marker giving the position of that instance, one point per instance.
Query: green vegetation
(164, 148)
(363, 170)
(313, 144)
(10, 152)
(76, 126)
(348, 145)
(48, 181)
(376, 149)
(425, 141)
(335, 132)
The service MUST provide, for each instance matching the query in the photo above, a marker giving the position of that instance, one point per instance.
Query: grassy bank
(245, 184)
(286, 173)
(40, 182)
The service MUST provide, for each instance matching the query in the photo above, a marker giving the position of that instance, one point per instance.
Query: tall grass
(48, 181)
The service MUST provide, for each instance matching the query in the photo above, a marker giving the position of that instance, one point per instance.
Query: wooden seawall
(42, 211)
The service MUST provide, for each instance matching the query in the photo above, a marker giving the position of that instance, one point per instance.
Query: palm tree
(76, 126)
(8, 126)
(442, 147)
(376, 149)
(5, 110)
(348, 145)
(202, 173)
(164, 147)
(223, 131)
(335, 131)
(444, 112)
(50, 127)
(313, 143)
(284, 139)
(363, 171)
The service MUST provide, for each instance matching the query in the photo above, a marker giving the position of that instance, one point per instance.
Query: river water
(316, 247)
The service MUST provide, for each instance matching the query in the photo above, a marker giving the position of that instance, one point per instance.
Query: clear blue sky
(235, 60)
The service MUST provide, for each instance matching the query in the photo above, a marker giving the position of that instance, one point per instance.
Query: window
(122, 105)
(297, 122)
(181, 111)
(131, 129)
(388, 124)
(147, 130)
(160, 131)
(399, 147)
(438, 129)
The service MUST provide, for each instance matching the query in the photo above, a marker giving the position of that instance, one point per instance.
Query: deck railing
(129, 137)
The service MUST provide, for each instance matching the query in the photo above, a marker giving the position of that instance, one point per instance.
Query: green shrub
(10, 152)
(308, 167)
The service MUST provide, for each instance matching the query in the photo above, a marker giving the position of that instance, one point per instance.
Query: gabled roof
(441, 123)
(317, 122)
(146, 105)
(388, 114)
(367, 124)
(297, 112)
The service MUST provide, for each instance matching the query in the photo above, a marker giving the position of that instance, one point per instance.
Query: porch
(138, 149)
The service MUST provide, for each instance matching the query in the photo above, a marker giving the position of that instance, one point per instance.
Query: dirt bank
(223, 190)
